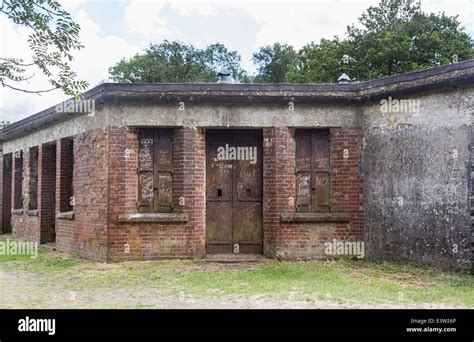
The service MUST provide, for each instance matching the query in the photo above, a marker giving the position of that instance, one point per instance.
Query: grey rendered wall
(193, 115)
(416, 169)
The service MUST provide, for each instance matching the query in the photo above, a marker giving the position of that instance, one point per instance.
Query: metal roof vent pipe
(343, 79)
(223, 76)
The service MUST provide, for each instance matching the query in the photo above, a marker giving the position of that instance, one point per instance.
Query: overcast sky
(112, 30)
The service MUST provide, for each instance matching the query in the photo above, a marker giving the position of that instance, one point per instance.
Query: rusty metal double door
(234, 191)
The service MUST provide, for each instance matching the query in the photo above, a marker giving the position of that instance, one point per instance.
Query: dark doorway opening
(6, 195)
(48, 193)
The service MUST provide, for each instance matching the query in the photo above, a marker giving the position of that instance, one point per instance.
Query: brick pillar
(122, 163)
(347, 192)
(192, 174)
(278, 182)
(86, 233)
(122, 198)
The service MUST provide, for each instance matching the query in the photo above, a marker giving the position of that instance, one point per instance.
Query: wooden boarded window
(313, 179)
(66, 175)
(155, 170)
(18, 179)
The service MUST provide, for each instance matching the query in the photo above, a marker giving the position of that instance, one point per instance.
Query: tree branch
(39, 92)
(12, 60)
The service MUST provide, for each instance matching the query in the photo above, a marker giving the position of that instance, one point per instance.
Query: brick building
(185, 170)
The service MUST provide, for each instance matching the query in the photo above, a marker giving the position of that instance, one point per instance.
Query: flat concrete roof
(448, 76)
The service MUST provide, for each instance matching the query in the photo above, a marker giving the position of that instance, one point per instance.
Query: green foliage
(54, 35)
(273, 62)
(173, 62)
(318, 62)
(394, 37)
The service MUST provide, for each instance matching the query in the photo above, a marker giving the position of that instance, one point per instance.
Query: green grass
(341, 281)
(337, 281)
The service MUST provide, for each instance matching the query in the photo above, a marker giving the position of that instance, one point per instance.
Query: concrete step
(49, 245)
(231, 258)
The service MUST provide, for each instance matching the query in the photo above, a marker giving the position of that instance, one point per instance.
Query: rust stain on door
(234, 191)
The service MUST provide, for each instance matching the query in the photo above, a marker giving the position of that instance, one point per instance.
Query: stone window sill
(314, 217)
(66, 215)
(32, 212)
(154, 217)
(17, 211)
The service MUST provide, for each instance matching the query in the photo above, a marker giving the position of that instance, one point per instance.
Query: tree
(394, 37)
(173, 62)
(273, 62)
(397, 36)
(321, 63)
(54, 35)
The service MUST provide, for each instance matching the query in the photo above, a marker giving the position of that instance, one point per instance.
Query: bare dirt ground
(20, 290)
(58, 280)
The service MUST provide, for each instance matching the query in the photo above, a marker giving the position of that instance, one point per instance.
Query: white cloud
(15, 105)
(195, 7)
(301, 23)
(71, 5)
(100, 52)
(283, 21)
(145, 18)
(463, 8)
(295, 23)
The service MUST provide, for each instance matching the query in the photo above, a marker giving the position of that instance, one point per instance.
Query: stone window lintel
(153, 217)
(314, 217)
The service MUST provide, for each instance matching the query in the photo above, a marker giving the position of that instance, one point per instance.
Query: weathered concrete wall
(193, 115)
(416, 175)
(471, 191)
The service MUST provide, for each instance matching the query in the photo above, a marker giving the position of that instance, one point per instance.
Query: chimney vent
(343, 79)
(224, 76)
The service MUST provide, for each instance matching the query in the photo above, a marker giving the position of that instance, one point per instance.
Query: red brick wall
(193, 172)
(141, 241)
(24, 226)
(38, 227)
(278, 184)
(5, 193)
(347, 192)
(306, 240)
(105, 186)
(86, 234)
(17, 185)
